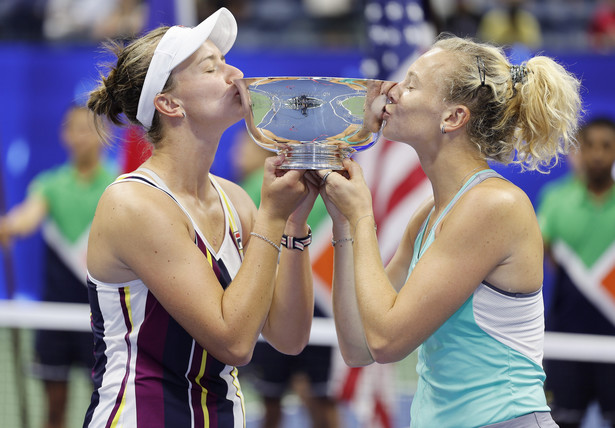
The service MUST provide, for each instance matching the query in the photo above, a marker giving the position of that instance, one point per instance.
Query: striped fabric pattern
(149, 371)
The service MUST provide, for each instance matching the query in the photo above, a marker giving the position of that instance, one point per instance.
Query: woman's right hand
(349, 196)
(283, 189)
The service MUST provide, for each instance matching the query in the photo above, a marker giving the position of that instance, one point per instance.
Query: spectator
(602, 26)
(577, 219)
(21, 19)
(459, 17)
(93, 20)
(64, 199)
(510, 24)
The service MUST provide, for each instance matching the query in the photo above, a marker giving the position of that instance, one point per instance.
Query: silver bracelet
(365, 216)
(264, 238)
(334, 241)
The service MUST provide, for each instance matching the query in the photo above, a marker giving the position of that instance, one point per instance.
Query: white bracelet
(334, 241)
(264, 238)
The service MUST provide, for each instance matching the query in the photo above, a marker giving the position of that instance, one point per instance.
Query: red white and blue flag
(399, 32)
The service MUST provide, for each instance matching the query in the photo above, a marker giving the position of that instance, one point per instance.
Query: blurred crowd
(569, 25)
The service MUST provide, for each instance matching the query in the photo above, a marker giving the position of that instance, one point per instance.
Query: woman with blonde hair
(465, 285)
(176, 301)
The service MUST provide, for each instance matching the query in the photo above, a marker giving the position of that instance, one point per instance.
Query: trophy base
(314, 156)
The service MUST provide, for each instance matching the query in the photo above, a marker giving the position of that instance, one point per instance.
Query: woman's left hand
(304, 207)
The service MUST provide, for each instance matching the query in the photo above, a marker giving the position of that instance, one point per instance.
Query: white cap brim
(177, 44)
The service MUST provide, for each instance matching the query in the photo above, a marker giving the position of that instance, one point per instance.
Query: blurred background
(51, 56)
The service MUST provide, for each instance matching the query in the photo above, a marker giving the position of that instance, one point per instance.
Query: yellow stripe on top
(203, 364)
(124, 176)
(126, 291)
(203, 389)
(230, 211)
(209, 259)
(231, 219)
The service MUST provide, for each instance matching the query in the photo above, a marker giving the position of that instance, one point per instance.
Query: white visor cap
(177, 44)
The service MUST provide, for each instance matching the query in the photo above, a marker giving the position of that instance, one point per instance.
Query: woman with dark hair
(176, 304)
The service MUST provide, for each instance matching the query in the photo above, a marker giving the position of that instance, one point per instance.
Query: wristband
(293, 243)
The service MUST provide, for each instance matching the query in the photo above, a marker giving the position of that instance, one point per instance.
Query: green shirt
(568, 212)
(71, 200)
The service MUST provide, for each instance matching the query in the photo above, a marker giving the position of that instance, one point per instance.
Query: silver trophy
(315, 121)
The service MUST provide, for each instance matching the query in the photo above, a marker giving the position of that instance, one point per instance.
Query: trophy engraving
(314, 121)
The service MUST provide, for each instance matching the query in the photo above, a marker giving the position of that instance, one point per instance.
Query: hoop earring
(442, 129)
(184, 114)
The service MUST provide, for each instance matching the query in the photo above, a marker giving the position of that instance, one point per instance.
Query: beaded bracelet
(264, 238)
(337, 241)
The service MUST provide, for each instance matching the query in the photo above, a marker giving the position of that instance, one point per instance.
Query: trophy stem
(314, 156)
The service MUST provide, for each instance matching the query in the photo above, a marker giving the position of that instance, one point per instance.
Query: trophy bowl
(315, 121)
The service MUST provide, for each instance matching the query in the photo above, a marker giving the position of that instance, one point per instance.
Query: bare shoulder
(499, 218)
(129, 217)
(496, 199)
(495, 213)
(132, 201)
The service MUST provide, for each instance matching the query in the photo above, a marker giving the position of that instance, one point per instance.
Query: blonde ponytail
(549, 110)
(525, 114)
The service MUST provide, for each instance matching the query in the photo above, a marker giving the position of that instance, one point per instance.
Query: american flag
(398, 32)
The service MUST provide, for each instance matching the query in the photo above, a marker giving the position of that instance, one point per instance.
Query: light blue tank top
(484, 364)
